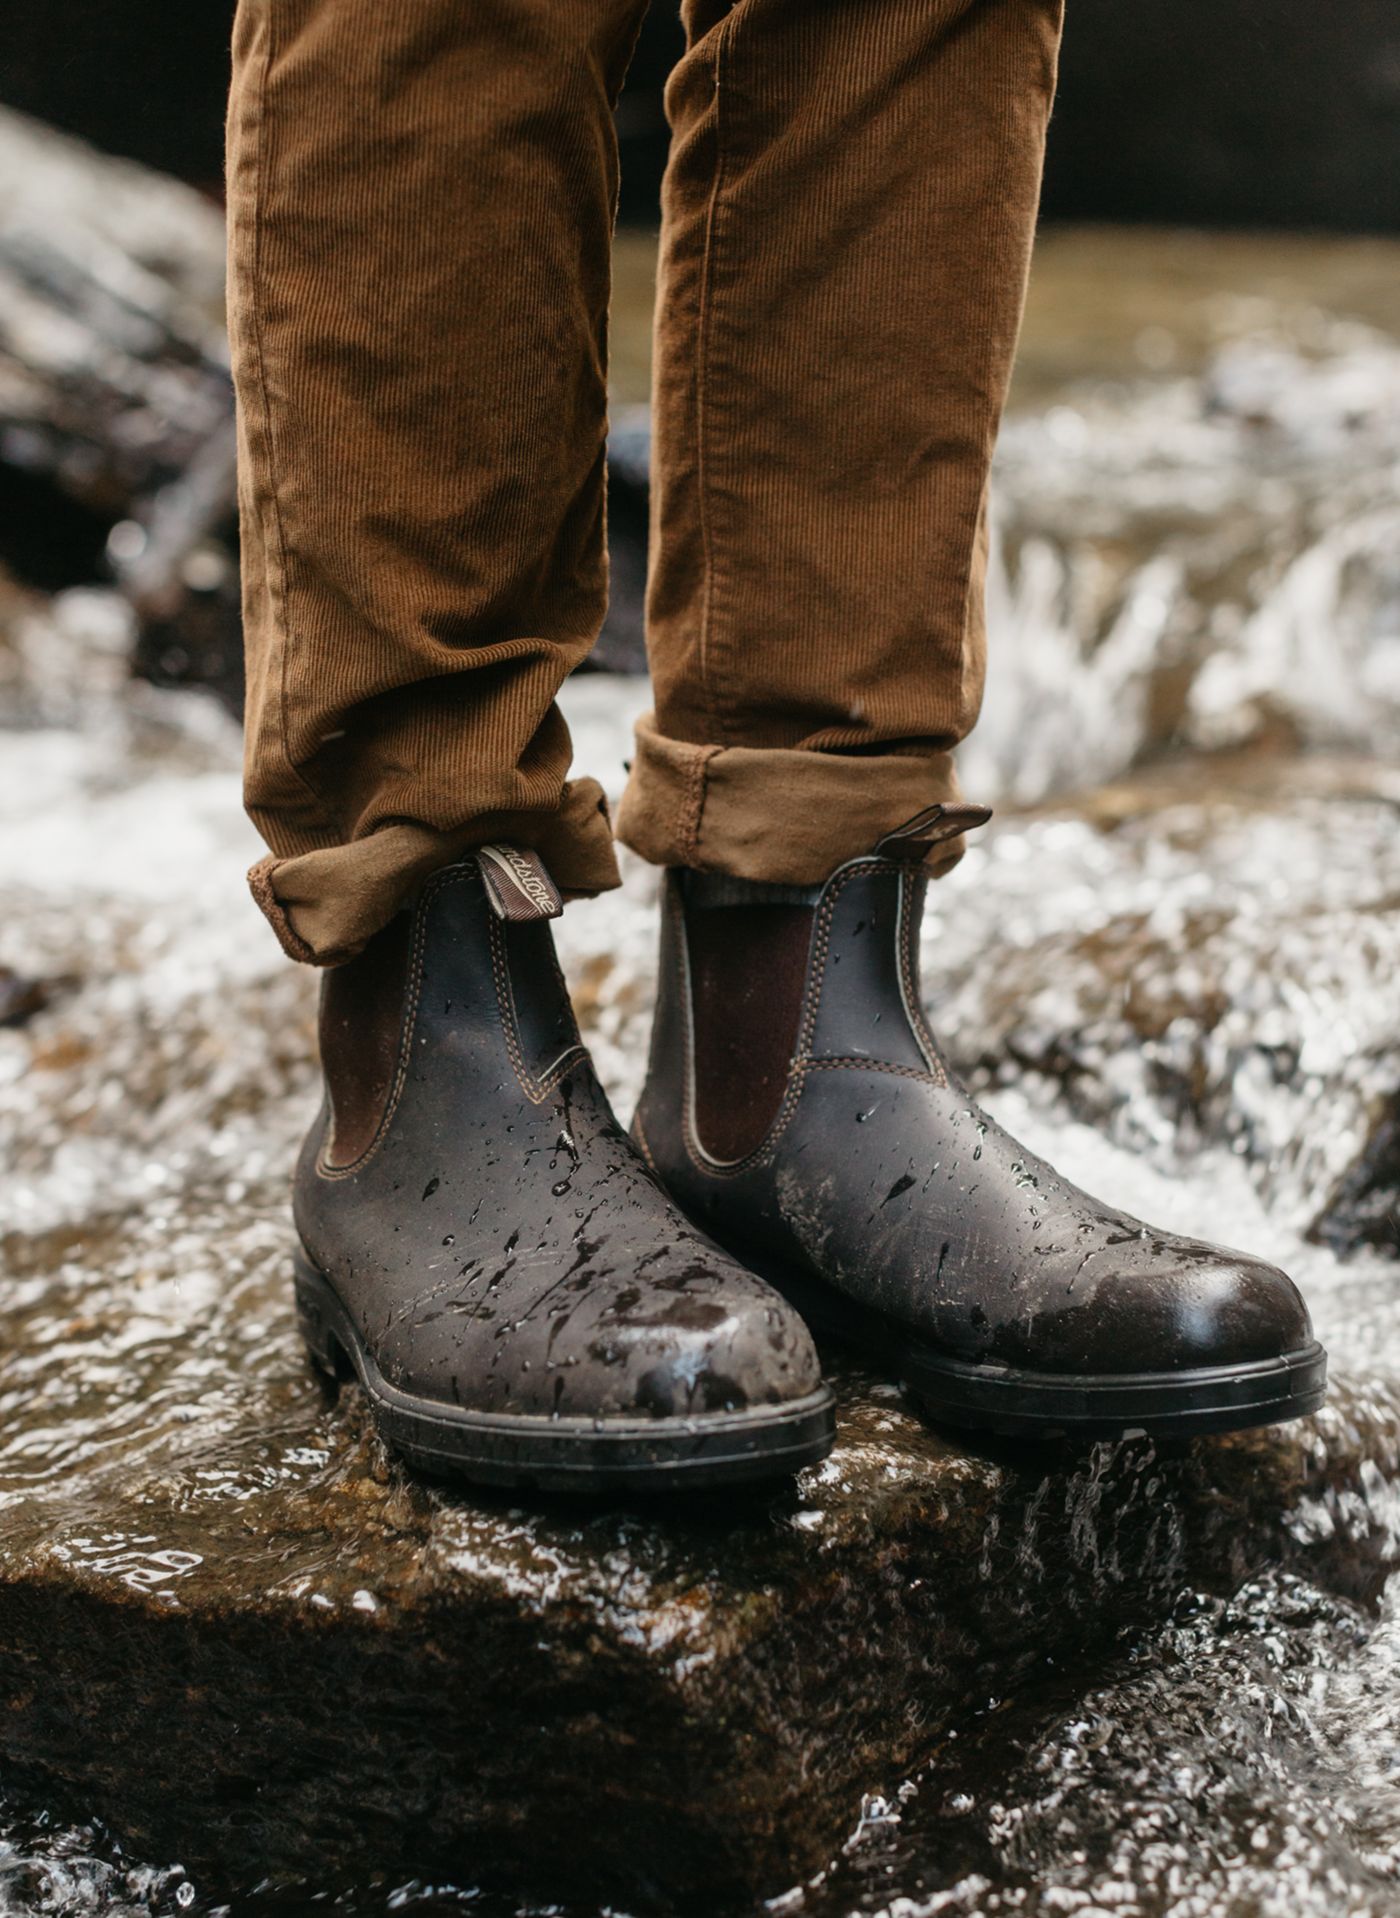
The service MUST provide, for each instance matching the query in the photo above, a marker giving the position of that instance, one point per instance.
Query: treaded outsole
(578, 1455)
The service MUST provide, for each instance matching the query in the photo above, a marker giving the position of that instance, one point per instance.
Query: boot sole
(579, 1455)
(1023, 1404)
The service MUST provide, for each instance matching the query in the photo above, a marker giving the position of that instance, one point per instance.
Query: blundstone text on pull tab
(517, 884)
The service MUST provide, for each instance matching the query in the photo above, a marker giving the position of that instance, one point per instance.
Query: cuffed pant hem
(782, 816)
(325, 905)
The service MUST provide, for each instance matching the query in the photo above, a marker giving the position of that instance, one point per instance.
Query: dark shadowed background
(1280, 113)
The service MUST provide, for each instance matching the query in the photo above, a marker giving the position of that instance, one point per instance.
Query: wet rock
(1365, 1207)
(116, 405)
(1236, 1760)
(113, 365)
(296, 1655)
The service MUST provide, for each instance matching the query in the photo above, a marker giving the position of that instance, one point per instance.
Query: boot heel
(314, 1320)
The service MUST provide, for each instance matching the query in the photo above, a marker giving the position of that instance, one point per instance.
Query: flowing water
(1193, 900)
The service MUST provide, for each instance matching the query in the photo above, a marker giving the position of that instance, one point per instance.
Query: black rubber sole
(1021, 1404)
(579, 1455)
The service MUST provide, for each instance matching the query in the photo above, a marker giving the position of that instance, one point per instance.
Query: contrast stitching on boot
(562, 1067)
(821, 943)
(821, 946)
(803, 1062)
(874, 1065)
(730, 1169)
(694, 1151)
(643, 1144)
(913, 1010)
(680, 968)
(535, 1090)
(406, 1030)
(782, 1118)
(690, 1138)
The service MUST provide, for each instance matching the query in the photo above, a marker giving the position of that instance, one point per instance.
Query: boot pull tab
(916, 838)
(517, 884)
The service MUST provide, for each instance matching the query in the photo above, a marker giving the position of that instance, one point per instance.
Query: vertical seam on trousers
(705, 329)
(260, 174)
(693, 802)
(974, 598)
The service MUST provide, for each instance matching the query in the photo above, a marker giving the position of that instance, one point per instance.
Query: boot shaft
(750, 995)
(470, 971)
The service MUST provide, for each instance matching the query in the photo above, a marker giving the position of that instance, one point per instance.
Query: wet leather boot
(482, 1246)
(798, 1108)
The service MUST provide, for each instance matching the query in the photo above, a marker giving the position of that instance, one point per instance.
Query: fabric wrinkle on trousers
(421, 204)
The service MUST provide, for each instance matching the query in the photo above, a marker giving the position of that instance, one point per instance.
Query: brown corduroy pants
(421, 199)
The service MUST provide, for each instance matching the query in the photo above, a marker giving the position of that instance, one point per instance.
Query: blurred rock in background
(116, 425)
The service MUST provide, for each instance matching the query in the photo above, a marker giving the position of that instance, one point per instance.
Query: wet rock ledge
(249, 1641)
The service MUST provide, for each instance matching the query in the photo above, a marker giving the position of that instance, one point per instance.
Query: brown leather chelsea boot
(484, 1249)
(799, 1109)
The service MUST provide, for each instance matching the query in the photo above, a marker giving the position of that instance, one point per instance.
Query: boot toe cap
(1238, 1310)
(711, 1341)
(1187, 1307)
(726, 1350)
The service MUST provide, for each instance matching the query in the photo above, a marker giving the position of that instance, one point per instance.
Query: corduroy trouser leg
(421, 199)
